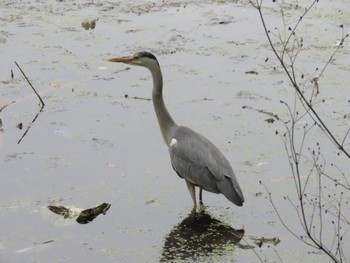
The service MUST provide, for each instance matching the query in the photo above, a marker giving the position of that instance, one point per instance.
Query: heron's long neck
(165, 121)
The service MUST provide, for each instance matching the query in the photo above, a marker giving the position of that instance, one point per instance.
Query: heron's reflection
(199, 235)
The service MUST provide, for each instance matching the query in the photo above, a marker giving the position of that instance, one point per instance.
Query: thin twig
(303, 99)
(30, 84)
(30, 125)
(314, 236)
(4, 106)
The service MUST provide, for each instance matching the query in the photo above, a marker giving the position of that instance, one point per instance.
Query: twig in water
(136, 98)
(275, 116)
(30, 84)
(4, 106)
(30, 125)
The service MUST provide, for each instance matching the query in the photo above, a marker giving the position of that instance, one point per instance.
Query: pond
(97, 140)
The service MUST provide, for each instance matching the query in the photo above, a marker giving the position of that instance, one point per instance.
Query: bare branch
(30, 84)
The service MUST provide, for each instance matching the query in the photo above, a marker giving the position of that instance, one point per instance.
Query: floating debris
(265, 240)
(89, 24)
(270, 120)
(38, 247)
(244, 94)
(19, 126)
(4, 106)
(253, 72)
(224, 22)
(83, 216)
(274, 116)
(136, 98)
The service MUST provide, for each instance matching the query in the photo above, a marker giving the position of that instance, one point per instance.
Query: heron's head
(143, 58)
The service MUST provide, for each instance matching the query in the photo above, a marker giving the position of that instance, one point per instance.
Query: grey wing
(196, 159)
(193, 172)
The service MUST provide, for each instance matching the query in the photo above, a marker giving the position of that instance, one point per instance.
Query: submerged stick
(30, 84)
(30, 125)
(4, 106)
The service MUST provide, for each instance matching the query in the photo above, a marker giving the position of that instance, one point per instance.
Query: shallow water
(93, 144)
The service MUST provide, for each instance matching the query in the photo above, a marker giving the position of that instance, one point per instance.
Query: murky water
(95, 142)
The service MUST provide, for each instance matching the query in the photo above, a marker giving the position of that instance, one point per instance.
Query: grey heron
(193, 157)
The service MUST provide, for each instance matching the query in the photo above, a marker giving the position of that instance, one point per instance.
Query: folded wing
(197, 160)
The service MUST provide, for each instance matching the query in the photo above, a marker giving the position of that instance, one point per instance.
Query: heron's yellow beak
(122, 60)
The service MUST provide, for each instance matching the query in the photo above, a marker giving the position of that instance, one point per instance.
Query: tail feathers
(231, 192)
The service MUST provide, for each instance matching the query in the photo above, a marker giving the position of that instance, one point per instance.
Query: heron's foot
(194, 209)
(201, 207)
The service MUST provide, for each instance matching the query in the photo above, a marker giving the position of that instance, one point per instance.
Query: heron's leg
(192, 190)
(200, 195)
